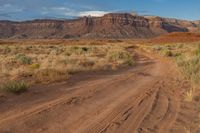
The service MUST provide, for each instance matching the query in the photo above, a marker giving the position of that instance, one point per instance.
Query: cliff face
(109, 26)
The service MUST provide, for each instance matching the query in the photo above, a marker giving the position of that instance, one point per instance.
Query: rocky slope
(113, 25)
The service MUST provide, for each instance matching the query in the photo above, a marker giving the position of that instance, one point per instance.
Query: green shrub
(129, 60)
(24, 59)
(177, 54)
(167, 53)
(14, 86)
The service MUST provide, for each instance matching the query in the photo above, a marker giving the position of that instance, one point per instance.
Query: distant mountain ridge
(112, 25)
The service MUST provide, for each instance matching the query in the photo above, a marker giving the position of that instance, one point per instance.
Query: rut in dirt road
(143, 99)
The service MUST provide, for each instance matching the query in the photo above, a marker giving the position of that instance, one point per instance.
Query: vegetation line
(52, 63)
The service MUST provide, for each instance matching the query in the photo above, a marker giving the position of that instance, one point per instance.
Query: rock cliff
(113, 25)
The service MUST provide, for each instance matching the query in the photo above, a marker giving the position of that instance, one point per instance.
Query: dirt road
(143, 99)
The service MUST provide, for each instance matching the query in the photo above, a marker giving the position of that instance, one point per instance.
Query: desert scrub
(49, 75)
(6, 50)
(51, 63)
(191, 67)
(123, 56)
(157, 48)
(168, 50)
(14, 86)
(26, 60)
(87, 63)
(167, 53)
(78, 50)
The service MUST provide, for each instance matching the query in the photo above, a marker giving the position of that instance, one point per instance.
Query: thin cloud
(93, 13)
(65, 11)
(58, 11)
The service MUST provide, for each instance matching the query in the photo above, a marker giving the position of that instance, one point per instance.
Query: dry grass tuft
(189, 95)
(49, 75)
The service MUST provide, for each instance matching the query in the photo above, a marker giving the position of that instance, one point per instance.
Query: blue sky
(38, 9)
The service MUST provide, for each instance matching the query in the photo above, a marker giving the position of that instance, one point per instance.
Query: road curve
(143, 99)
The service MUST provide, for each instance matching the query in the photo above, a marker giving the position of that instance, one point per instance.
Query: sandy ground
(143, 99)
